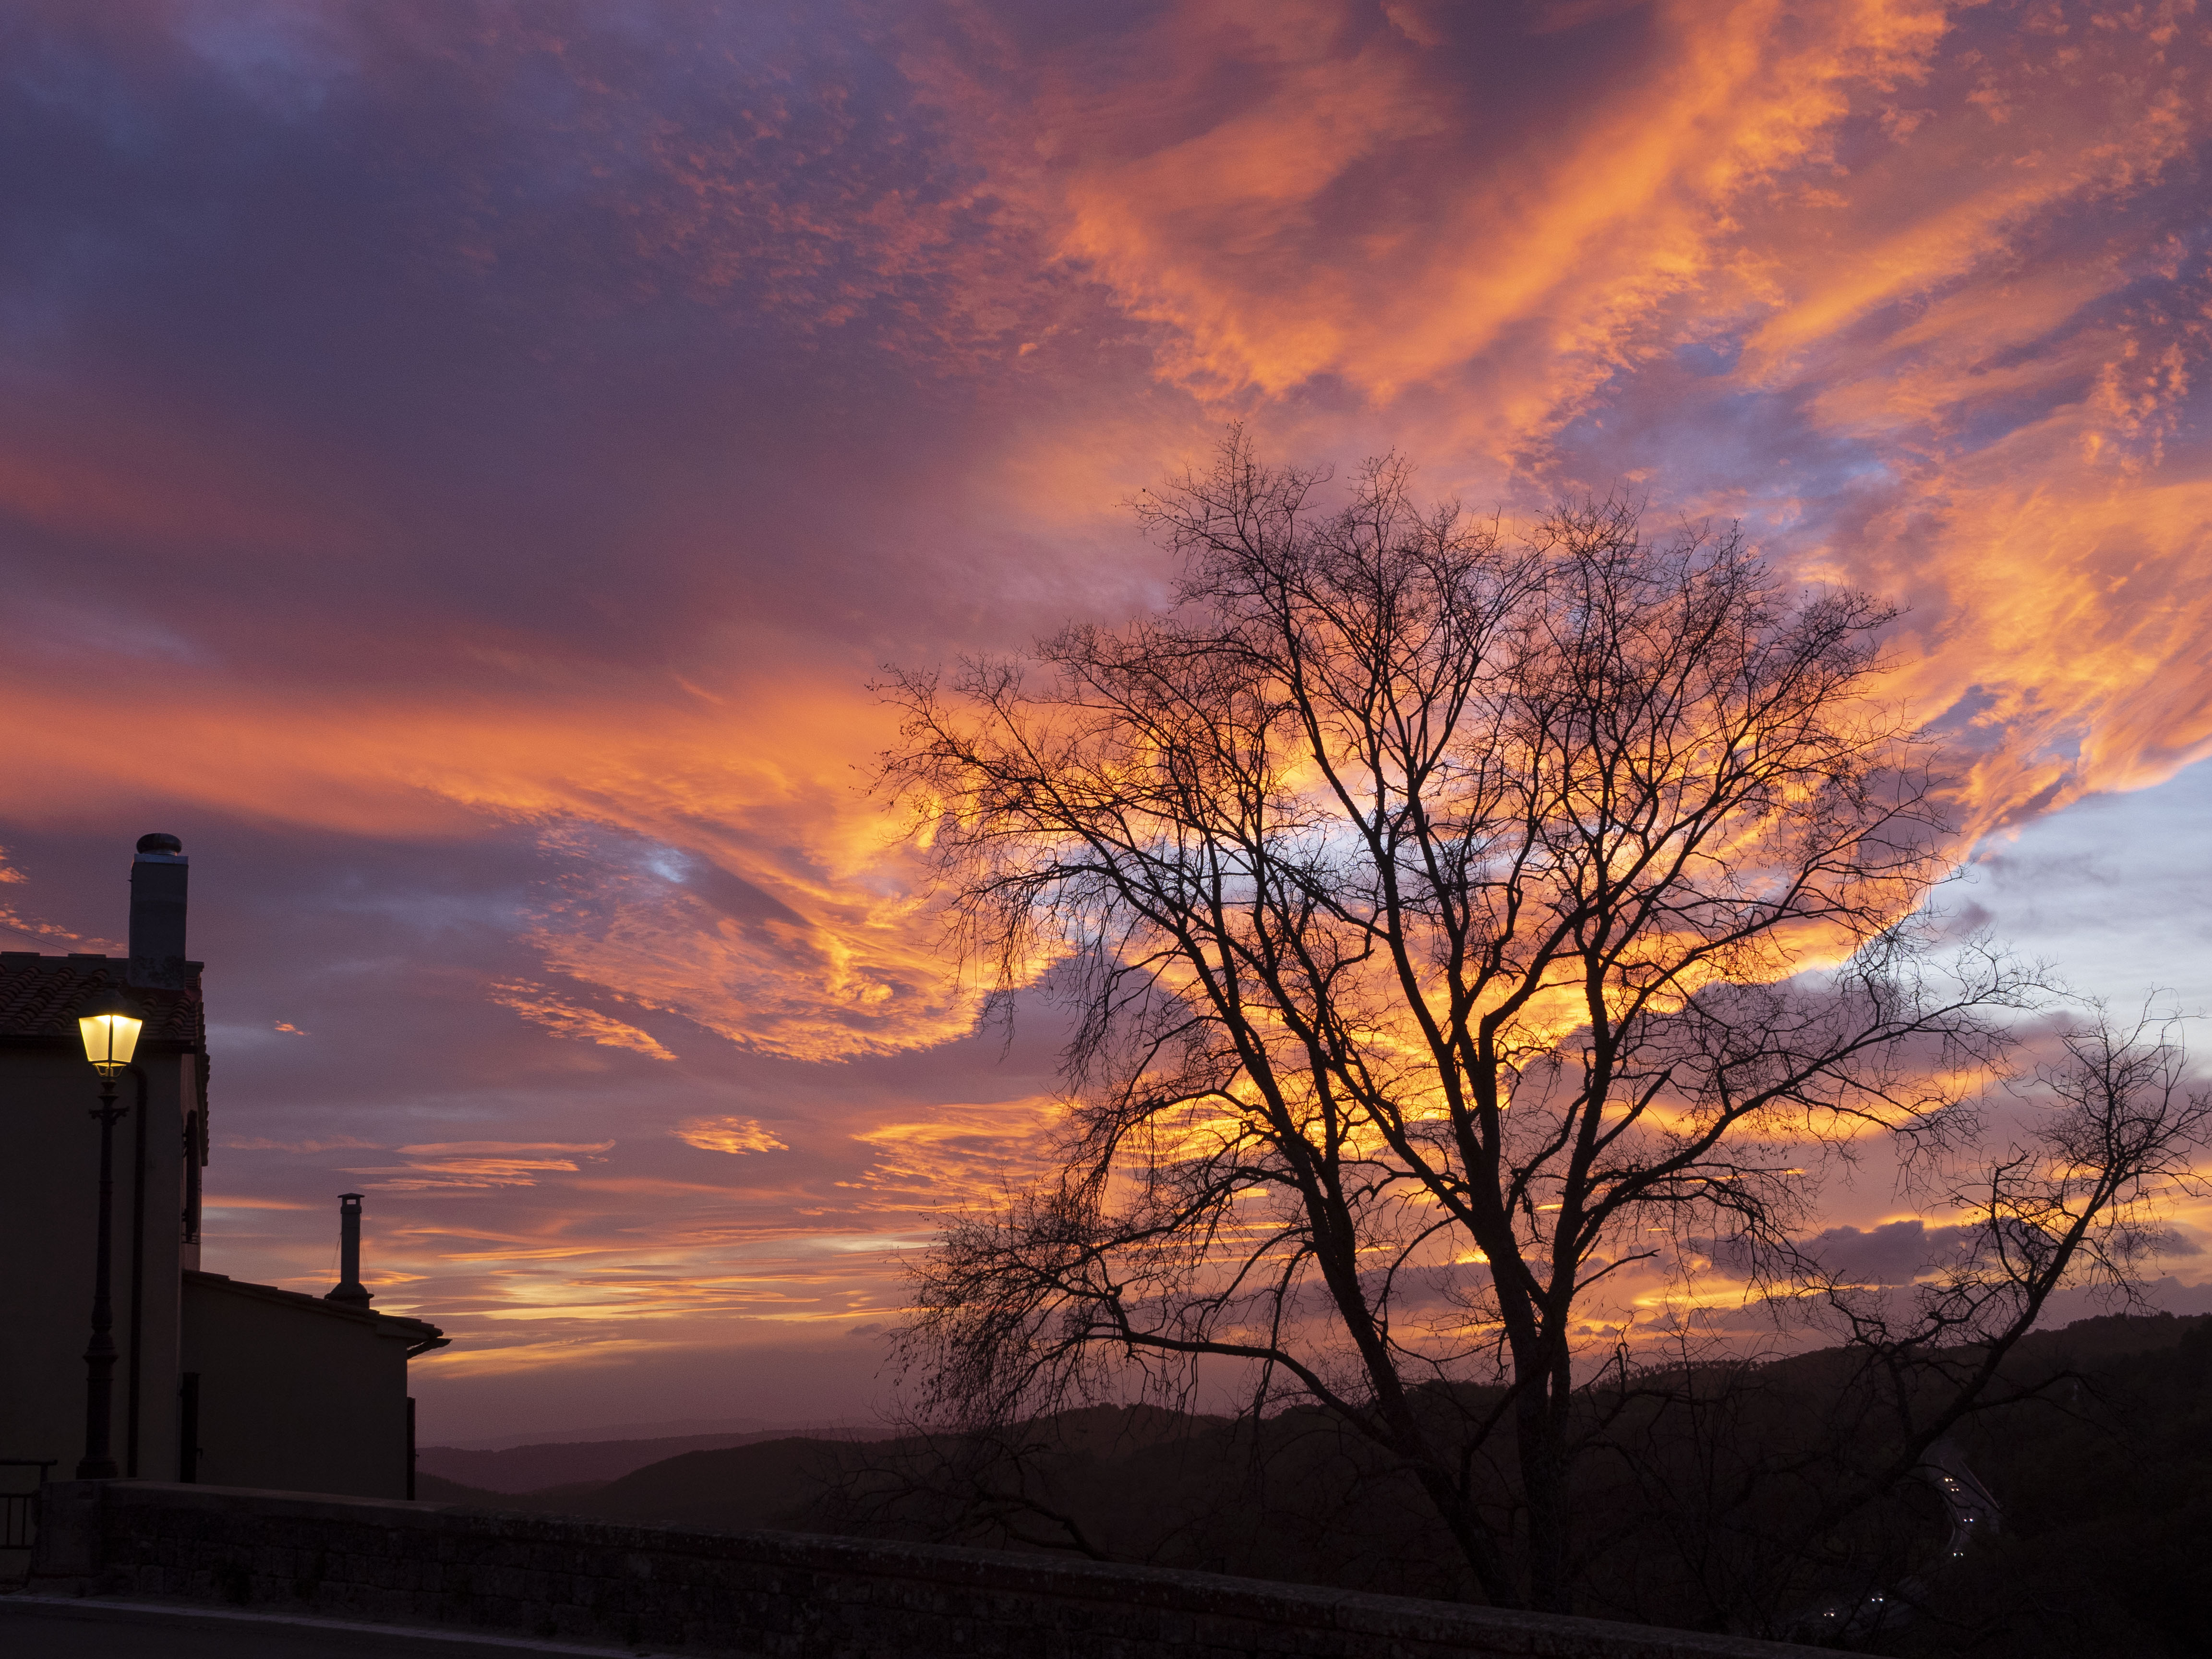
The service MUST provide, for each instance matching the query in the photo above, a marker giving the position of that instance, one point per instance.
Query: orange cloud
(564, 1017)
(728, 1134)
(1329, 216)
(465, 1166)
(1917, 229)
(956, 1153)
(754, 890)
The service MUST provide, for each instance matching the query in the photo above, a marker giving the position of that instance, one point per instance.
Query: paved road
(31, 1629)
(1974, 1513)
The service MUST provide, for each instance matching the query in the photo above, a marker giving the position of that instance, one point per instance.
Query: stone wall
(791, 1595)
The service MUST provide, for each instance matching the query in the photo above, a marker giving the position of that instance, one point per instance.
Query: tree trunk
(1540, 1425)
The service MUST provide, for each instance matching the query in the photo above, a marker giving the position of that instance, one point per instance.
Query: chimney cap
(158, 842)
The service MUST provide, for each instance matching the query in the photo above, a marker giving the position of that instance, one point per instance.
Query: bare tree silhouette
(1452, 922)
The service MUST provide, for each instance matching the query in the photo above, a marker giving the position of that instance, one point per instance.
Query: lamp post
(109, 1024)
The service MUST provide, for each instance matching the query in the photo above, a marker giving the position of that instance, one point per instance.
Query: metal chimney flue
(158, 876)
(350, 1290)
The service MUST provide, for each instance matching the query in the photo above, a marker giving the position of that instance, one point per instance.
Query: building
(214, 1380)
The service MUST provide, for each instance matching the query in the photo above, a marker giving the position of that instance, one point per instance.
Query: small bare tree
(1826, 1491)
(1452, 924)
(2113, 1128)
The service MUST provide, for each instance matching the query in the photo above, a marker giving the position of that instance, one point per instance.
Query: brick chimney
(157, 914)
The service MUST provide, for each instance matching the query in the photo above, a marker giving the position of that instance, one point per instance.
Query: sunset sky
(461, 465)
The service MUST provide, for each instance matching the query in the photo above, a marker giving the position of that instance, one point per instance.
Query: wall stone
(782, 1596)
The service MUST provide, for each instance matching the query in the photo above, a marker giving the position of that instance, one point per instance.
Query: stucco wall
(49, 1197)
(294, 1394)
(788, 1594)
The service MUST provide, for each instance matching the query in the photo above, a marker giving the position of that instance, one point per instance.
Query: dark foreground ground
(2089, 1537)
(30, 1629)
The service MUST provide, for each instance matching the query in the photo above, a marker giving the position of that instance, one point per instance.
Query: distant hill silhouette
(772, 1484)
(667, 1429)
(795, 1481)
(515, 1470)
(2106, 1487)
(436, 1489)
(2106, 1552)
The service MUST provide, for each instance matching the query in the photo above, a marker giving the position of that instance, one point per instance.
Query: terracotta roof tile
(40, 997)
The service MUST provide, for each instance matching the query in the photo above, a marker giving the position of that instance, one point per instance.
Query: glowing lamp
(110, 1025)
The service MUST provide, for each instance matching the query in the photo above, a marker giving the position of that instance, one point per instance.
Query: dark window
(193, 1154)
(188, 1426)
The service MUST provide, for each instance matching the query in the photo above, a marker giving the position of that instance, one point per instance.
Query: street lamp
(109, 1023)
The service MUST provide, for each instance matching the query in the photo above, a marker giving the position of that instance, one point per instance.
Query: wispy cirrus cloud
(728, 1134)
(462, 1166)
(566, 1018)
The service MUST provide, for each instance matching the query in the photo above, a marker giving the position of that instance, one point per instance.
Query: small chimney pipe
(350, 1290)
(158, 878)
